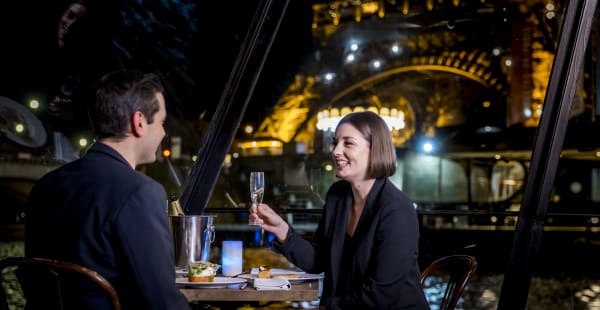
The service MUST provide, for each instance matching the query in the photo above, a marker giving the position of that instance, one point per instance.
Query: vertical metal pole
(572, 42)
(232, 105)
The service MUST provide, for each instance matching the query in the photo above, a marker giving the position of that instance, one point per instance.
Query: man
(98, 211)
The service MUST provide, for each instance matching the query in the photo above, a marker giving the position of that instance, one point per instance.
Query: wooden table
(300, 291)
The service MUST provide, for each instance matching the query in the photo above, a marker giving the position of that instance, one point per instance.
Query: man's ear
(138, 123)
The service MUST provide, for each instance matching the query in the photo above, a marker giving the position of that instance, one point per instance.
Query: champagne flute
(257, 188)
(257, 191)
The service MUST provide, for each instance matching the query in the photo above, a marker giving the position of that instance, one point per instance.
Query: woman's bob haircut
(382, 162)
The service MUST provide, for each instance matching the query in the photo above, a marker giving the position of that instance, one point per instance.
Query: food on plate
(202, 271)
(264, 272)
(287, 275)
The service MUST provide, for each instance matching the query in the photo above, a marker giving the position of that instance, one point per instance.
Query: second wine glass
(257, 188)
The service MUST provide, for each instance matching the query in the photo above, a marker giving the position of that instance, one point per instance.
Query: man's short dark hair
(118, 96)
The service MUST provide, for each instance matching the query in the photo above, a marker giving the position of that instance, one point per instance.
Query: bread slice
(193, 278)
(264, 274)
(202, 271)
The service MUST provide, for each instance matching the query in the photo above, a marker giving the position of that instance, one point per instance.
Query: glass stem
(262, 237)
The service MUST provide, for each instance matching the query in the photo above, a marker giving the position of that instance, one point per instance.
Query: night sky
(192, 44)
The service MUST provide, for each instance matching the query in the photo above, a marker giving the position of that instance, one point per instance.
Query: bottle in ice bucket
(175, 207)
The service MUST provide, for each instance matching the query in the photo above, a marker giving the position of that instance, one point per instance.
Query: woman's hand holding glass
(260, 213)
(269, 220)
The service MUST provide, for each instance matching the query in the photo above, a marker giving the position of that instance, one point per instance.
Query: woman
(367, 239)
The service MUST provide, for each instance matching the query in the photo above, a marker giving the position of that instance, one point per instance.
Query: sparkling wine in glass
(257, 187)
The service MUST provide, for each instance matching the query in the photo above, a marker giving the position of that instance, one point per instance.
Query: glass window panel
(467, 77)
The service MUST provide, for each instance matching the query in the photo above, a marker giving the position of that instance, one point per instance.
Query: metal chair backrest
(45, 282)
(457, 269)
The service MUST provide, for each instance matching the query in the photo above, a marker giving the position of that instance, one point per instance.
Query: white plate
(301, 277)
(218, 282)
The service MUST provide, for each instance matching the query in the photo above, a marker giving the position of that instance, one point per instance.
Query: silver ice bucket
(192, 237)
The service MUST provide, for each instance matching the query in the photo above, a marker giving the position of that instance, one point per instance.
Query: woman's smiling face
(350, 153)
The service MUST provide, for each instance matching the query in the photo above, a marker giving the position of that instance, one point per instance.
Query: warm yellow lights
(550, 10)
(259, 148)
(19, 128)
(227, 162)
(34, 104)
(429, 5)
(83, 142)
(329, 118)
(370, 7)
(405, 7)
(260, 144)
(248, 129)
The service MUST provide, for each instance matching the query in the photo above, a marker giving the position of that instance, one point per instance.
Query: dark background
(193, 54)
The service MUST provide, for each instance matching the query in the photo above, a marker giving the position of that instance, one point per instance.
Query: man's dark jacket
(99, 212)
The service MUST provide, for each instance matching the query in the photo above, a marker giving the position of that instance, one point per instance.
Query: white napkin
(272, 284)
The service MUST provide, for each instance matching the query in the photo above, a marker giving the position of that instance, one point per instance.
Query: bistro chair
(46, 283)
(453, 270)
